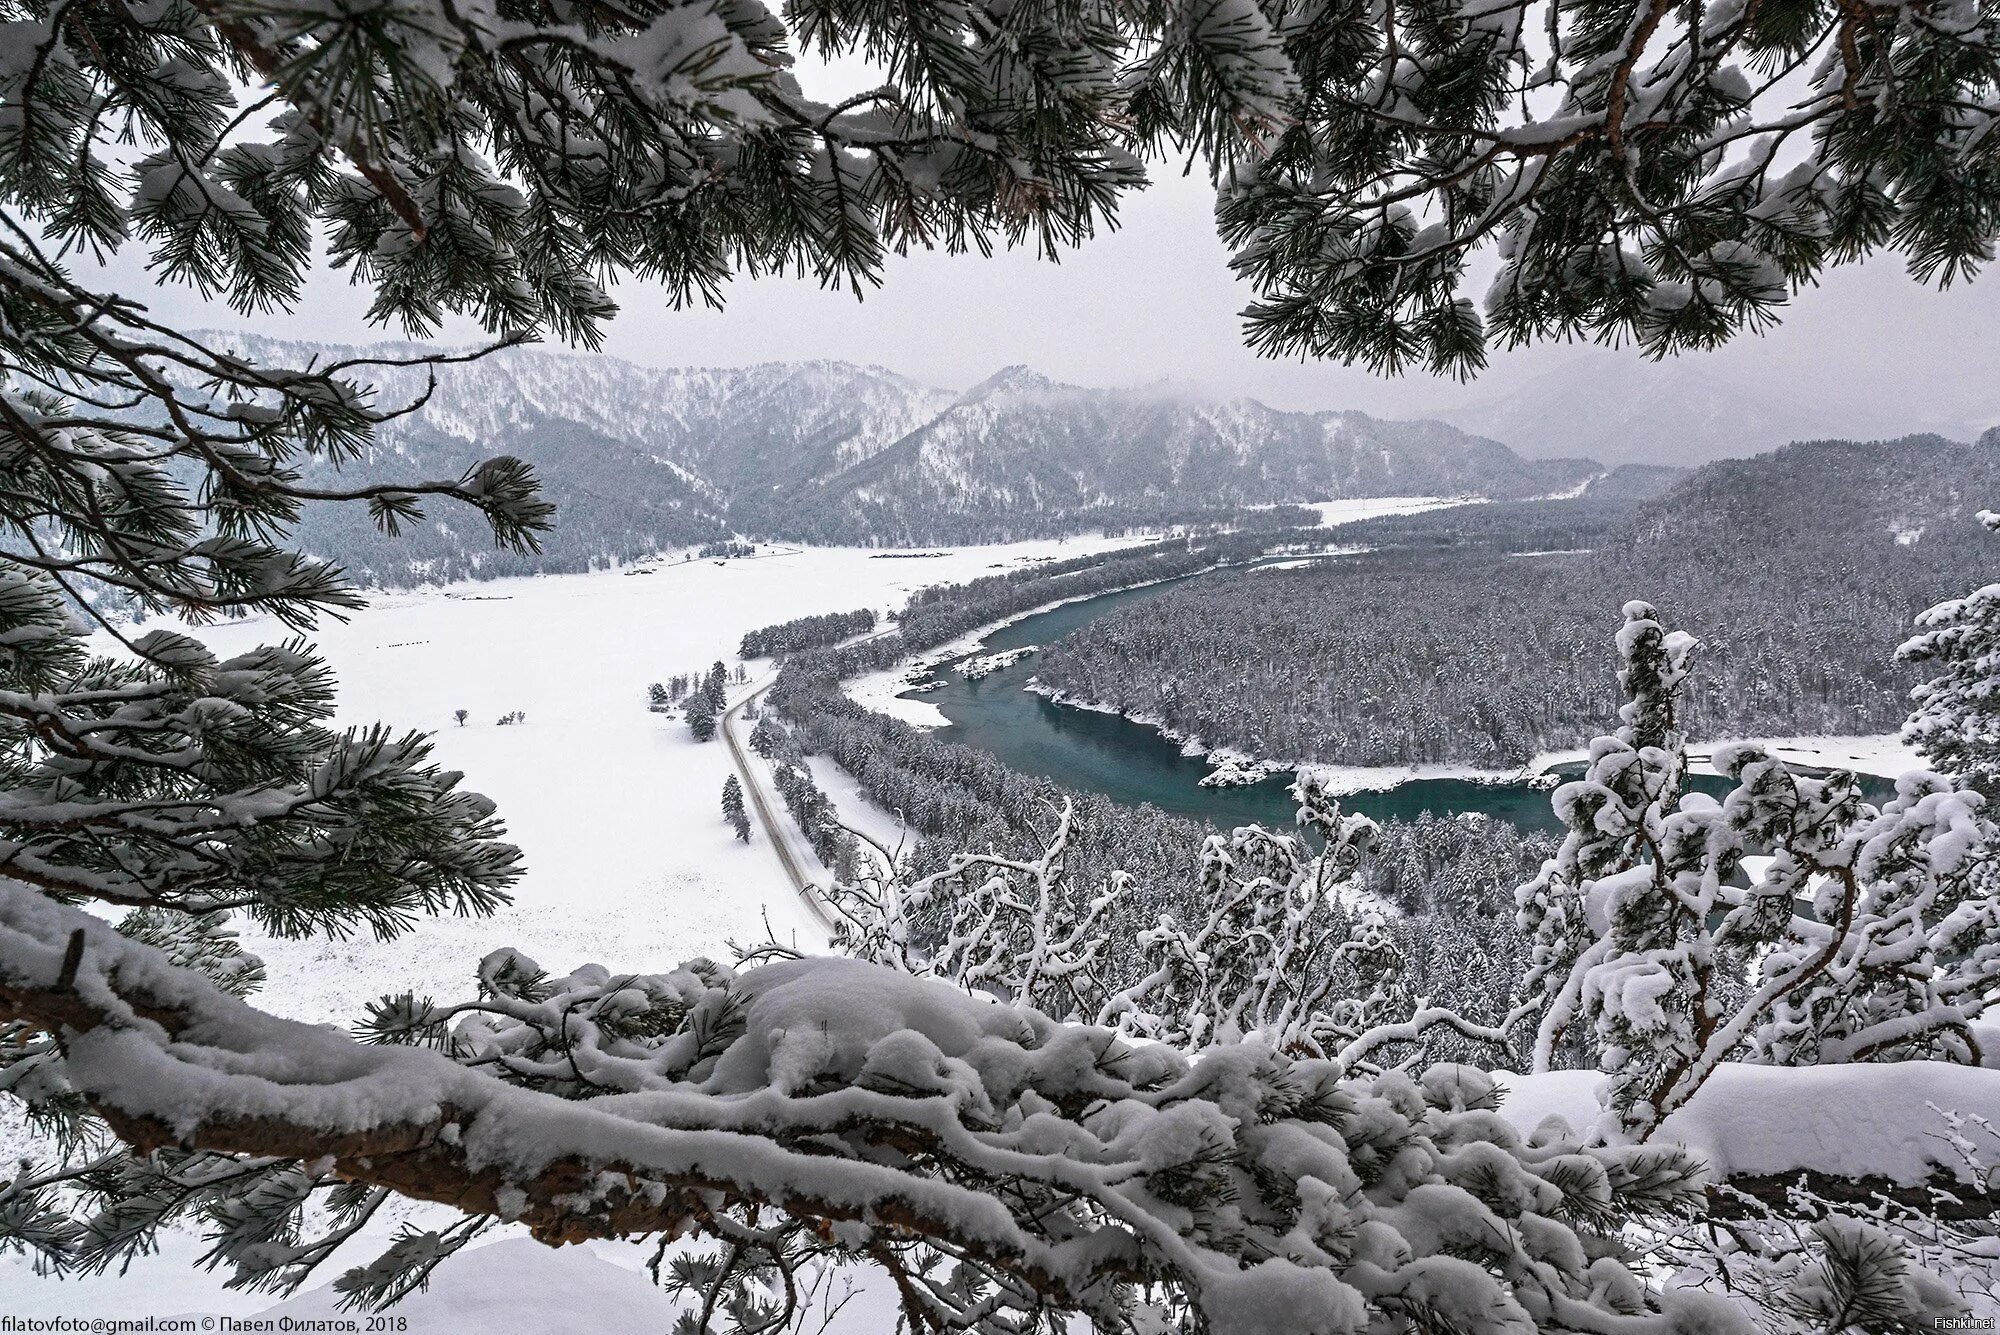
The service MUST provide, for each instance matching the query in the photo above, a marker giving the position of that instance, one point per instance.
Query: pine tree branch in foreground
(1067, 1169)
(885, 1118)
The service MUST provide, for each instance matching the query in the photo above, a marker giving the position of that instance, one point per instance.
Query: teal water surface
(1134, 763)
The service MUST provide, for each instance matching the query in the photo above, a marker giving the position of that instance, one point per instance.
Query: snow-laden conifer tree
(701, 715)
(732, 808)
(1863, 935)
(1956, 722)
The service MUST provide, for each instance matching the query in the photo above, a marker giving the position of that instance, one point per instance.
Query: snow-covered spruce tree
(1956, 721)
(732, 808)
(1864, 937)
(701, 716)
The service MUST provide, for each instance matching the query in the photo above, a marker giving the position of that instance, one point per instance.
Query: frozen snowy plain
(617, 809)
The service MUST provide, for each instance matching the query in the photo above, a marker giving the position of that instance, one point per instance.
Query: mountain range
(641, 458)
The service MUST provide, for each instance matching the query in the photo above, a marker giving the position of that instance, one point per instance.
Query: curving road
(779, 831)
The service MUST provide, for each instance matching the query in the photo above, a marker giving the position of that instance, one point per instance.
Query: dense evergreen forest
(809, 632)
(1480, 633)
(1477, 635)
(1448, 883)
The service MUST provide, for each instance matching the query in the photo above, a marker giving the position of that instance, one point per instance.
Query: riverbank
(1884, 755)
(884, 690)
(1092, 747)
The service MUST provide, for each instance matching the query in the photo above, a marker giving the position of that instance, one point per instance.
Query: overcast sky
(1155, 301)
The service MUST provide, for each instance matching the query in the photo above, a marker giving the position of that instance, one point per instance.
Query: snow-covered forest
(1473, 636)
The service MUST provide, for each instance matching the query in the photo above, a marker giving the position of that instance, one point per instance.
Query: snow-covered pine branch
(176, 781)
(1274, 943)
(1000, 1165)
(1642, 170)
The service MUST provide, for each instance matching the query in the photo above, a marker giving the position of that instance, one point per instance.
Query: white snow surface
(1884, 754)
(630, 863)
(1844, 1121)
(617, 809)
(1346, 512)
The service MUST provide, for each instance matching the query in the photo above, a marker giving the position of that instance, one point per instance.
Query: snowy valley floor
(617, 809)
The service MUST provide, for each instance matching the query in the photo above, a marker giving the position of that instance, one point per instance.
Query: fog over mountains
(1619, 408)
(638, 458)
(1021, 444)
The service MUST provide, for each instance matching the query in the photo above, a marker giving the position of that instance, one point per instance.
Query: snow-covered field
(1346, 512)
(616, 808)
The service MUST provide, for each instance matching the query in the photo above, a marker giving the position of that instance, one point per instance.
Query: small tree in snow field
(732, 808)
(700, 711)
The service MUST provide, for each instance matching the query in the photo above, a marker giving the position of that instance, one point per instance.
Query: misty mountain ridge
(639, 458)
(1618, 407)
(1022, 443)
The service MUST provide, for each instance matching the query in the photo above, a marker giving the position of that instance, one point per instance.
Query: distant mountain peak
(641, 457)
(1019, 378)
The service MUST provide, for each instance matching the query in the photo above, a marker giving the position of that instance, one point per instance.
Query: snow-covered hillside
(640, 457)
(1021, 442)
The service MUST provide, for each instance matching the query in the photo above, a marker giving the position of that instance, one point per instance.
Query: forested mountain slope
(1799, 571)
(638, 458)
(1020, 449)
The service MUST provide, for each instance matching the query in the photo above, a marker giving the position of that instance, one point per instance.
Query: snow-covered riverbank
(882, 690)
(1886, 755)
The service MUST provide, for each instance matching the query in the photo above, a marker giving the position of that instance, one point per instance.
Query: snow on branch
(1791, 922)
(1065, 1168)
